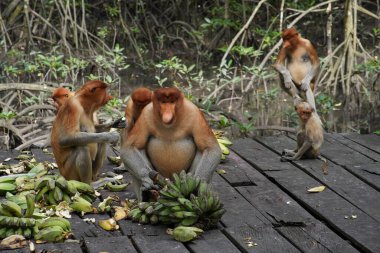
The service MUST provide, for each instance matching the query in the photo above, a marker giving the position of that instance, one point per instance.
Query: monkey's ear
(312, 110)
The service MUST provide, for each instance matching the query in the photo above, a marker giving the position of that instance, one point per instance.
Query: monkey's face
(166, 101)
(60, 95)
(304, 114)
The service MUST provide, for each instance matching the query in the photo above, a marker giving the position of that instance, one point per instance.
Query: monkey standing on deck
(298, 65)
(78, 150)
(309, 137)
(170, 135)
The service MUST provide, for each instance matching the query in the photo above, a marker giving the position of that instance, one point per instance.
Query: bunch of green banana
(185, 201)
(7, 184)
(16, 220)
(144, 213)
(52, 189)
(53, 229)
(223, 143)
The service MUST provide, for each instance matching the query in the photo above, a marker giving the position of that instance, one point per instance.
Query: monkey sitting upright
(309, 137)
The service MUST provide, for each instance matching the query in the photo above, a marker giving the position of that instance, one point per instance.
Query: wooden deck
(268, 206)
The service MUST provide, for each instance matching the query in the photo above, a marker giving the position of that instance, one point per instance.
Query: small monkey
(309, 137)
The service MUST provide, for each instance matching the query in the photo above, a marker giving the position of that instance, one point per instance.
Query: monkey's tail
(325, 167)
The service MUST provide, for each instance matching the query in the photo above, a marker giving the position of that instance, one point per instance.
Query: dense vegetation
(218, 52)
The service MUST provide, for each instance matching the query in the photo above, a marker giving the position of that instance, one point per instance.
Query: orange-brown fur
(170, 135)
(79, 154)
(61, 95)
(139, 99)
(298, 65)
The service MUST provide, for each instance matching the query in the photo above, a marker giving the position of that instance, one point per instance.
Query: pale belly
(169, 157)
(298, 70)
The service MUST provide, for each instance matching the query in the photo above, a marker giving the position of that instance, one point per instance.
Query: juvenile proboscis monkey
(309, 137)
(78, 150)
(170, 135)
(61, 95)
(298, 65)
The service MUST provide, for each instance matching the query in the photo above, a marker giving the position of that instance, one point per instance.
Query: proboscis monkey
(298, 65)
(309, 137)
(139, 99)
(61, 95)
(78, 150)
(170, 135)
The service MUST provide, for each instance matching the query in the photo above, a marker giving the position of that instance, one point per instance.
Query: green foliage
(245, 127)
(372, 65)
(325, 103)
(377, 132)
(301, 5)
(223, 121)
(7, 115)
(270, 95)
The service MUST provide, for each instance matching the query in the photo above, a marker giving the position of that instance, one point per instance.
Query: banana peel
(120, 213)
(108, 224)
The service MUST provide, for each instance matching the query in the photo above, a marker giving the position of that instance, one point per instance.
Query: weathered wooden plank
(242, 216)
(355, 146)
(284, 212)
(109, 244)
(82, 229)
(212, 241)
(147, 238)
(362, 231)
(339, 180)
(341, 154)
(157, 244)
(259, 239)
(64, 247)
(370, 173)
(371, 141)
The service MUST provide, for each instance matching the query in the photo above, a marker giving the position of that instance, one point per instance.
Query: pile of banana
(52, 189)
(186, 201)
(53, 229)
(223, 143)
(14, 220)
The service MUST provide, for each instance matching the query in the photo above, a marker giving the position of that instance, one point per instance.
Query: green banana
(189, 221)
(12, 207)
(57, 194)
(116, 187)
(30, 206)
(41, 193)
(51, 198)
(10, 231)
(7, 187)
(51, 234)
(27, 233)
(144, 219)
(56, 221)
(153, 219)
(81, 187)
(61, 182)
(79, 204)
(3, 231)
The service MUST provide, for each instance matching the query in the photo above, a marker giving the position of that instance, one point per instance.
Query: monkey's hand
(305, 84)
(114, 136)
(147, 184)
(288, 152)
(288, 84)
